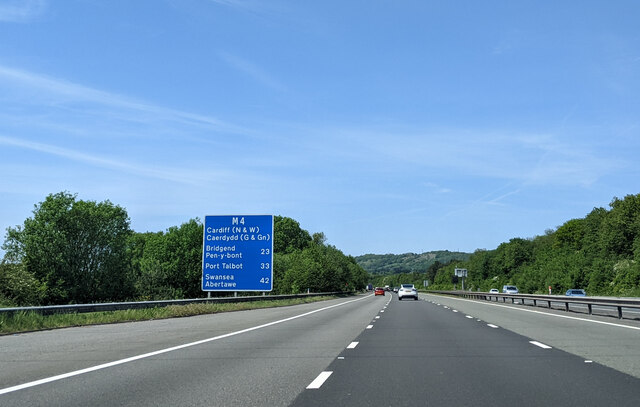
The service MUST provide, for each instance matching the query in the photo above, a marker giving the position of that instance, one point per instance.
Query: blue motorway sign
(237, 253)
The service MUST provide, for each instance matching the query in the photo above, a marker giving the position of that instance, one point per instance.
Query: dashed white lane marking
(455, 310)
(492, 326)
(369, 326)
(547, 314)
(352, 345)
(588, 361)
(377, 316)
(540, 345)
(469, 316)
(319, 381)
(340, 357)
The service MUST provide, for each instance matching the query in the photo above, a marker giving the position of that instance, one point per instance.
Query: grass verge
(30, 321)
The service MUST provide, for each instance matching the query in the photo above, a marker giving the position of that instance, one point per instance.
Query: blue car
(575, 292)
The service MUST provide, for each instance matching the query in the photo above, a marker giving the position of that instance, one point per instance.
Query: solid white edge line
(161, 351)
(540, 344)
(319, 381)
(352, 345)
(547, 314)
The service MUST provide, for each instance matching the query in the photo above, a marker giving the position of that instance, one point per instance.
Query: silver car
(576, 292)
(509, 289)
(407, 290)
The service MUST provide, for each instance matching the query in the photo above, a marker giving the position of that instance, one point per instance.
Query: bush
(18, 287)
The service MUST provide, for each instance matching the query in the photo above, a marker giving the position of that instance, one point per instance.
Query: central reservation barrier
(536, 300)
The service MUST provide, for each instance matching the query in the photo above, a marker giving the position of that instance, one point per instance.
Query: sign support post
(462, 273)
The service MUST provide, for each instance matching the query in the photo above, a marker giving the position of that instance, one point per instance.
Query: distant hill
(407, 262)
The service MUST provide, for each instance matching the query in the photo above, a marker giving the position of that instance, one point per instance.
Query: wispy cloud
(437, 188)
(252, 70)
(537, 159)
(167, 174)
(260, 8)
(21, 11)
(89, 126)
(239, 4)
(65, 91)
(495, 197)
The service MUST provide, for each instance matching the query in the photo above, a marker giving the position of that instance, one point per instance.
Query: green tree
(299, 276)
(432, 271)
(303, 262)
(600, 253)
(621, 227)
(169, 264)
(77, 248)
(569, 236)
(289, 236)
(18, 287)
(513, 255)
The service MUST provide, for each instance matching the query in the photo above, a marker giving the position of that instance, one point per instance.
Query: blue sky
(391, 126)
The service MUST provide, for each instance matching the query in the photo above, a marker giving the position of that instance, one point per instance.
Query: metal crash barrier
(548, 300)
(118, 306)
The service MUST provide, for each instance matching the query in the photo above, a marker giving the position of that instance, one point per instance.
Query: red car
(379, 291)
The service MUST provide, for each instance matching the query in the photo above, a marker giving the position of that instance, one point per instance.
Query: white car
(407, 290)
(494, 291)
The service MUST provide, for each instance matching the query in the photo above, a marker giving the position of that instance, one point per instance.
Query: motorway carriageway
(364, 350)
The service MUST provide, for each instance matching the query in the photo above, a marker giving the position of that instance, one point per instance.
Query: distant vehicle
(379, 291)
(395, 289)
(407, 290)
(369, 287)
(509, 289)
(494, 291)
(386, 288)
(576, 292)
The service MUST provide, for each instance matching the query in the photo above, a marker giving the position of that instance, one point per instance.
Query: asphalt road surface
(363, 350)
(433, 354)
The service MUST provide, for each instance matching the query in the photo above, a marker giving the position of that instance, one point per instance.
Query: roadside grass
(30, 321)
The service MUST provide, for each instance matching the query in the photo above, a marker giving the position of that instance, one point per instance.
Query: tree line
(406, 262)
(76, 251)
(599, 253)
